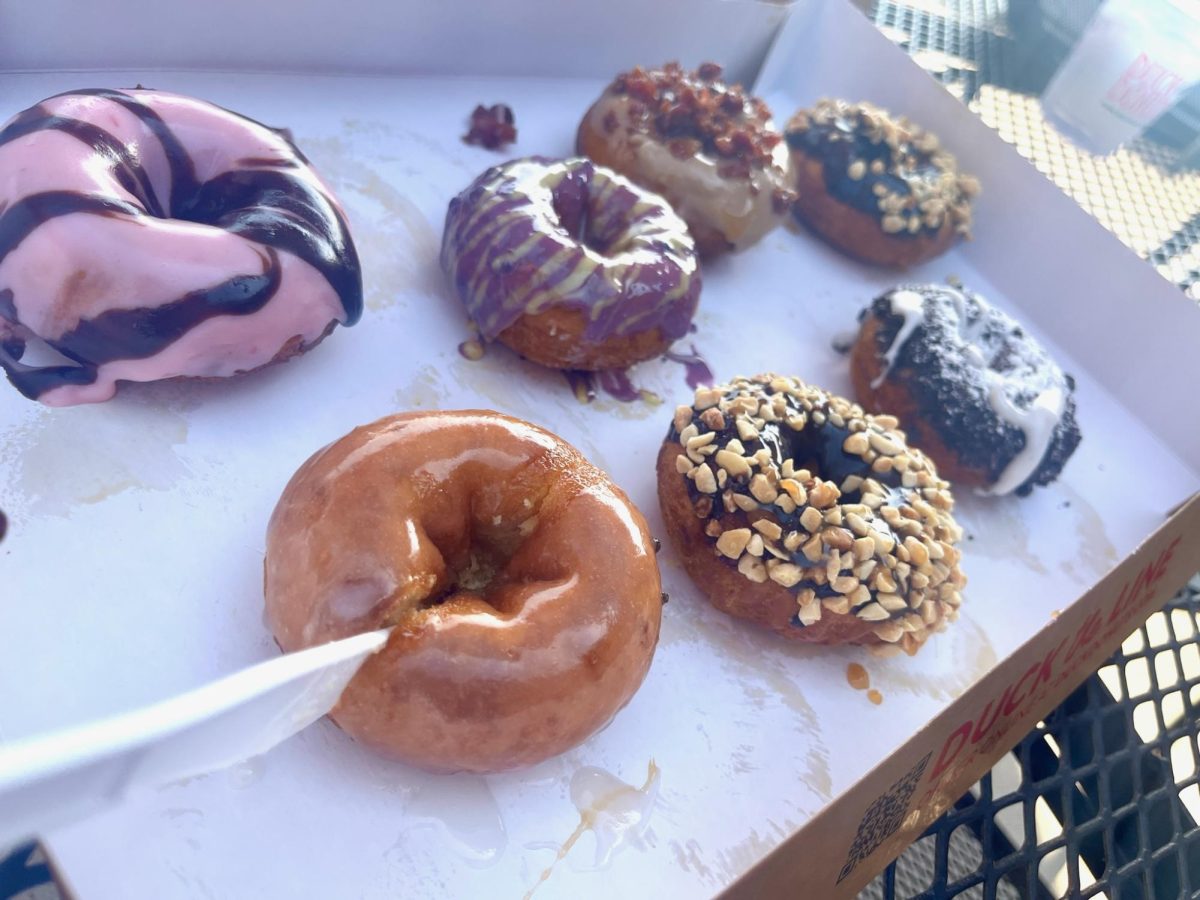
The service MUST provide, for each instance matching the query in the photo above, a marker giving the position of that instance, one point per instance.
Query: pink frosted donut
(147, 235)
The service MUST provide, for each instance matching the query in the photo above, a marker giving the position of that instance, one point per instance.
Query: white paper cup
(1131, 64)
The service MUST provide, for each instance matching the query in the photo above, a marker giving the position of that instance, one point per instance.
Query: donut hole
(601, 213)
(817, 449)
(575, 206)
(820, 450)
(477, 551)
(478, 572)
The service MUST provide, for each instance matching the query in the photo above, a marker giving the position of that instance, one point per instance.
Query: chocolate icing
(787, 428)
(837, 146)
(268, 204)
(869, 159)
(818, 448)
(125, 166)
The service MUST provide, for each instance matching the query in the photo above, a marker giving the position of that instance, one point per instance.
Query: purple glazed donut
(570, 264)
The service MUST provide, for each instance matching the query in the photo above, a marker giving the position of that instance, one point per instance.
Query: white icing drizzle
(974, 356)
(1037, 423)
(910, 307)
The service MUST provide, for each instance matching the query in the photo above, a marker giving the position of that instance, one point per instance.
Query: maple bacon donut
(146, 236)
(570, 264)
(708, 147)
(519, 581)
(876, 187)
(796, 510)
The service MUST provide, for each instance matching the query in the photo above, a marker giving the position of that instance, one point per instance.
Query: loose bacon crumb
(492, 127)
(782, 200)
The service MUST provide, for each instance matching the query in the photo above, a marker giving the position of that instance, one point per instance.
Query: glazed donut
(520, 583)
(796, 510)
(146, 236)
(978, 394)
(570, 265)
(710, 148)
(877, 188)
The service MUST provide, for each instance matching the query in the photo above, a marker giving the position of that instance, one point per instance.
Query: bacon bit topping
(723, 119)
(492, 127)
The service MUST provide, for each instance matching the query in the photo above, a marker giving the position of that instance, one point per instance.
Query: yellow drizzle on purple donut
(533, 233)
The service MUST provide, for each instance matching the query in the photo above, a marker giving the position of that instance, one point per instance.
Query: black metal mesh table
(1101, 799)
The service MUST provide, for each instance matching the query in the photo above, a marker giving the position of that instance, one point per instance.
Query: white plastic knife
(56, 778)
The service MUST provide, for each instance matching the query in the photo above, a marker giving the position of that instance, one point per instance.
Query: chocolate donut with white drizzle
(146, 235)
(978, 394)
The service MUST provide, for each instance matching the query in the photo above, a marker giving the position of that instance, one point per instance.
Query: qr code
(883, 817)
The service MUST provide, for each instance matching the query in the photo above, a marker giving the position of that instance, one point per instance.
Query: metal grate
(961, 43)
(1101, 799)
(1144, 193)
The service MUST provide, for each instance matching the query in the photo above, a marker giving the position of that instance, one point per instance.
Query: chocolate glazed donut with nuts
(798, 511)
(520, 584)
(876, 187)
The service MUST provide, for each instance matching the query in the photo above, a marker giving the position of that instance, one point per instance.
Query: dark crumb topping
(804, 489)
(698, 112)
(492, 127)
(885, 166)
(949, 363)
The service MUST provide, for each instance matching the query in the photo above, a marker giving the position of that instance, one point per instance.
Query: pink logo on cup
(1144, 89)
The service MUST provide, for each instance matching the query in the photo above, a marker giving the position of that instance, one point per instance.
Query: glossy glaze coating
(147, 235)
(601, 259)
(521, 583)
(708, 147)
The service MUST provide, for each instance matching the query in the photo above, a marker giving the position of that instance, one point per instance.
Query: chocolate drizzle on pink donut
(252, 184)
(535, 233)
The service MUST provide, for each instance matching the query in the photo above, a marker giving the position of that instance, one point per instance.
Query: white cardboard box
(133, 564)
